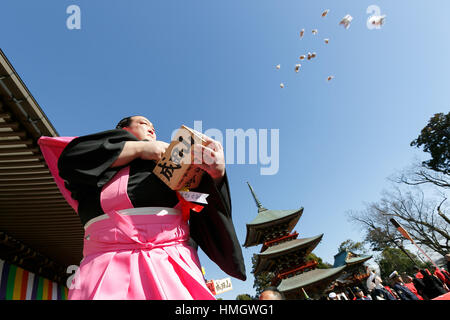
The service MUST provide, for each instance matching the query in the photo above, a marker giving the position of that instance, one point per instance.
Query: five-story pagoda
(284, 255)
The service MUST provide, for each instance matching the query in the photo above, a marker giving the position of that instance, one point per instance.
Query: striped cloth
(19, 284)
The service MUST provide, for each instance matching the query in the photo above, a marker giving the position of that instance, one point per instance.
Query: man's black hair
(125, 122)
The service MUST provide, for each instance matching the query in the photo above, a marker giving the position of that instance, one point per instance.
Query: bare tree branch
(418, 175)
(417, 214)
(441, 214)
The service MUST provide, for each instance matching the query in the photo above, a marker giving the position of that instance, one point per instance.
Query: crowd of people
(422, 285)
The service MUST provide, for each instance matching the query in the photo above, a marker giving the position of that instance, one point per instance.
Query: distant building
(354, 275)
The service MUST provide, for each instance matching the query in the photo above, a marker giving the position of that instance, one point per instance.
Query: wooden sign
(219, 286)
(176, 168)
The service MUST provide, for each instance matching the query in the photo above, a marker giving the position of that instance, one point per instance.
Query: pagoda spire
(258, 203)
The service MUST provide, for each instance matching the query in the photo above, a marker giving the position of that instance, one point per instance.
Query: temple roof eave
(271, 216)
(291, 246)
(309, 278)
(357, 260)
(263, 258)
(268, 218)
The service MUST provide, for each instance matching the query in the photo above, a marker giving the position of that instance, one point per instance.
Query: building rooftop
(266, 260)
(41, 232)
(311, 281)
(266, 220)
(349, 259)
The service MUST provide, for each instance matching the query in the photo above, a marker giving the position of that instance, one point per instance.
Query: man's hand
(210, 158)
(153, 150)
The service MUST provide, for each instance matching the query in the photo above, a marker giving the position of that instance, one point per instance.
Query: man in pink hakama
(137, 244)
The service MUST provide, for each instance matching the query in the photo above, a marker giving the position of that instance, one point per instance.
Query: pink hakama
(137, 253)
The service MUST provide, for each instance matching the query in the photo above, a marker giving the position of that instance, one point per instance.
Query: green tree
(352, 246)
(262, 279)
(244, 296)
(393, 259)
(321, 264)
(435, 139)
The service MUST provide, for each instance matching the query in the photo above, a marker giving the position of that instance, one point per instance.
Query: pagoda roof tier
(266, 260)
(266, 220)
(313, 282)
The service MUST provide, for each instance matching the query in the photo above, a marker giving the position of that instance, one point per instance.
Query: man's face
(360, 294)
(142, 128)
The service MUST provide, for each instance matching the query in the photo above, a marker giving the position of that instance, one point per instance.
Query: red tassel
(187, 206)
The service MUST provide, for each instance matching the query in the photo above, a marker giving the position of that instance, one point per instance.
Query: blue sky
(180, 61)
